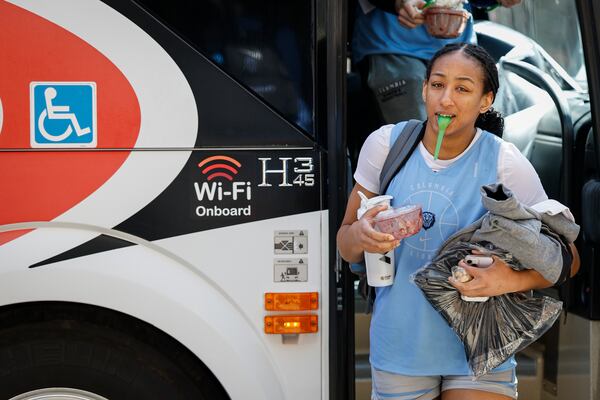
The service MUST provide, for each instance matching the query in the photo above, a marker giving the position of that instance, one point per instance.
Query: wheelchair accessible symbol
(63, 114)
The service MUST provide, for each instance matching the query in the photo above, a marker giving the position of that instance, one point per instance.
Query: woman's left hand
(499, 278)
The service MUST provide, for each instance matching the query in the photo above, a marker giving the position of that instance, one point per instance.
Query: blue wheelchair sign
(63, 114)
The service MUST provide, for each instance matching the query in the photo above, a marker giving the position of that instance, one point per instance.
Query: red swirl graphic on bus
(41, 185)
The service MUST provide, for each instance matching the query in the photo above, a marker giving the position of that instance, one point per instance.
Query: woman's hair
(490, 120)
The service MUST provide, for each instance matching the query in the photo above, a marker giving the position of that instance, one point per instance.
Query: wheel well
(36, 312)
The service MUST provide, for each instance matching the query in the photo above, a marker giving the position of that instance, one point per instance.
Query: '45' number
(305, 180)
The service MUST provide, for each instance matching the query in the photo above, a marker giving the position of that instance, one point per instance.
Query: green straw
(428, 3)
(443, 122)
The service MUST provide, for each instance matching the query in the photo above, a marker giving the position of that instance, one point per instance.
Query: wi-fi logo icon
(215, 167)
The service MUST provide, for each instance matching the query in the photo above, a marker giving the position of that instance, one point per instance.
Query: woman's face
(455, 89)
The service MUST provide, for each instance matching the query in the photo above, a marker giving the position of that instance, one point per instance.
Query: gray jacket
(533, 238)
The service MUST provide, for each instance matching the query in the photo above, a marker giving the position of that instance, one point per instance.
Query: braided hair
(490, 120)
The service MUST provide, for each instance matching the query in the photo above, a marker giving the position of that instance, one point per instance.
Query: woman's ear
(424, 91)
(486, 102)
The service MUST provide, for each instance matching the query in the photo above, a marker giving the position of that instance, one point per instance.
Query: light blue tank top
(408, 336)
(379, 32)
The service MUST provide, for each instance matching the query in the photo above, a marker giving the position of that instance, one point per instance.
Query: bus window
(265, 45)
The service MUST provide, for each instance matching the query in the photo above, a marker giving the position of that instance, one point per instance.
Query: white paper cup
(380, 268)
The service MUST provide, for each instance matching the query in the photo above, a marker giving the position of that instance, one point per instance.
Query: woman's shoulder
(379, 142)
(511, 153)
(518, 174)
(379, 138)
(492, 136)
(372, 156)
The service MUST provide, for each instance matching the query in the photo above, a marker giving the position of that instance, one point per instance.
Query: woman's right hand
(354, 236)
(368, 238)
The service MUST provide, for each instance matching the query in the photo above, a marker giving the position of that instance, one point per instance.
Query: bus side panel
(204, 289)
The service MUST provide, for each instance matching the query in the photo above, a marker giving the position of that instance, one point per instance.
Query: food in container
(445, 19)
(401, 222)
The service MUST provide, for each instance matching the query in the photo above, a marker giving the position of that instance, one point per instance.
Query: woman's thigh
(493, 386)
(469, 394)
(390, 386)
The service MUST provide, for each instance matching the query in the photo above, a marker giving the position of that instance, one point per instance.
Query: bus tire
(79, 347)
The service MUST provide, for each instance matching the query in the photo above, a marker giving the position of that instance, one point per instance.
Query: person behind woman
(414, 353)
(391, 46)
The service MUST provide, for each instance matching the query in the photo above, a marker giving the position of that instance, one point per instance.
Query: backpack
(403, 147)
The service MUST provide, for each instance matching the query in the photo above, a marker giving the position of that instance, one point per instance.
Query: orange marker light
(289, 324)
(291, 301)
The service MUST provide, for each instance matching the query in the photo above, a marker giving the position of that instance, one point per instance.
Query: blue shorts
(390, 386)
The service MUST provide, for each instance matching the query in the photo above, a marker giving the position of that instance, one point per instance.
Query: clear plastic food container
(444, 22)
(401, 222)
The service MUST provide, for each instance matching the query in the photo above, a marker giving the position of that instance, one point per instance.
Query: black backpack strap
(405, 143)
(400, 151)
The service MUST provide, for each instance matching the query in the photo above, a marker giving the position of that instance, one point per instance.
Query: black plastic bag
(491, 331)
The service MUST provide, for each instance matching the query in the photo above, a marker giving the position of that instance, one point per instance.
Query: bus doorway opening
(556, 131)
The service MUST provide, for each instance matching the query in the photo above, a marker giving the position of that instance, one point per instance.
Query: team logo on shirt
(428, 219)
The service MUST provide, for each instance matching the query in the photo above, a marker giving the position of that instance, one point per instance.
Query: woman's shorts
(389, 386)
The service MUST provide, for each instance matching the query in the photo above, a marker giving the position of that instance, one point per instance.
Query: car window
(537, 19)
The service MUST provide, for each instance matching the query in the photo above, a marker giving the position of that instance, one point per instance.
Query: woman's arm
(499, 278)
(576, 260)
(516, 172)
(357, 236)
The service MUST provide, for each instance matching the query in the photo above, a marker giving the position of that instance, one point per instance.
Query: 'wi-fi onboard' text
(214, 191)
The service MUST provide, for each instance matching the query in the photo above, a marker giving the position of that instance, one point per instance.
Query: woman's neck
(452, 145)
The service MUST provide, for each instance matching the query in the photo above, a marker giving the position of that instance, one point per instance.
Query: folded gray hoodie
(533, 238)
